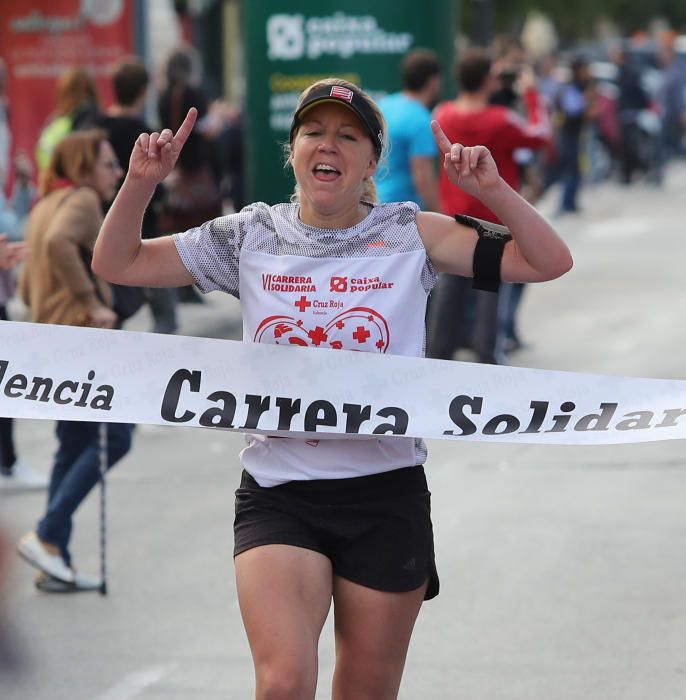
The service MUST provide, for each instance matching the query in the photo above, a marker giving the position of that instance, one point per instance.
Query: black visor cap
(349, 98)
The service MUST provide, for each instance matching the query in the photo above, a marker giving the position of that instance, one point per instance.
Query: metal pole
(103, 508)
(483, 29)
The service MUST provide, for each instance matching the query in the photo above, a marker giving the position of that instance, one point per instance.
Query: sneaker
(22, 478)
(32, 550)
(82, 582)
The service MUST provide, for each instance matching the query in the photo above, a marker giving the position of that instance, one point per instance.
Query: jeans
(510, 299)
(460, 316)
(447, 319)
(163, 302)
(668, 146)
(570, 173)
(74, 473)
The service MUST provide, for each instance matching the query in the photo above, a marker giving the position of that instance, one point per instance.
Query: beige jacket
(55, 283)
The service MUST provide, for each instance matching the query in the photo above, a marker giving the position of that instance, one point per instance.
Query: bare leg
(284, 594)
(373, 632)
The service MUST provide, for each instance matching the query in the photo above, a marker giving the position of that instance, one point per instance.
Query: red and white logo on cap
(342, 93)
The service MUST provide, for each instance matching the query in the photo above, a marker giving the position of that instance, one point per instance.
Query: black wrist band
(488, 252)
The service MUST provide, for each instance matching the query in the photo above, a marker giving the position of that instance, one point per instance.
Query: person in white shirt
(322, 521)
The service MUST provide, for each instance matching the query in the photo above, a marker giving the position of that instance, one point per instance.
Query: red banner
(40, 39)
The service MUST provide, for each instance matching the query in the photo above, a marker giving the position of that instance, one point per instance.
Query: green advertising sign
(289, 45)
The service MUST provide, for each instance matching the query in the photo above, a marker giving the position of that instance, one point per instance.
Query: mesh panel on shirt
(211, 252)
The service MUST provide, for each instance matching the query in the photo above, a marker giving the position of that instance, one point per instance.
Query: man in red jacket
(472, 120)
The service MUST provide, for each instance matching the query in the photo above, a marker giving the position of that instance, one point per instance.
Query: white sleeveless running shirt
(362, 288)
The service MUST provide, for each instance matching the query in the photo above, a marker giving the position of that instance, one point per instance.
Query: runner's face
(331, 156)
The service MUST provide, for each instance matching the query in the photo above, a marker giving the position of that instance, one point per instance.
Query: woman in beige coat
(57, 284)
(59, 287)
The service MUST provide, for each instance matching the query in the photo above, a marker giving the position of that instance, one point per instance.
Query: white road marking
(134, 684)
(623, 228)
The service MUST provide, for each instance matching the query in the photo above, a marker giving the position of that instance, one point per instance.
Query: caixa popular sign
(290, 45)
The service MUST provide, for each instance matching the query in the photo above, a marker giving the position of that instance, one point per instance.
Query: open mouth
(325, 172)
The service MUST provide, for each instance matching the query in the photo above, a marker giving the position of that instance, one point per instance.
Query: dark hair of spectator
(472, 69)
(179, 67)
(129, 80)
(418, 67)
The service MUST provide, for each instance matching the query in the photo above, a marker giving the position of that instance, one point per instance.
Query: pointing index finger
(186, 127)
(442, 141)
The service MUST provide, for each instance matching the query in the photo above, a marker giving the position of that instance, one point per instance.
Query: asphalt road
(562, 568)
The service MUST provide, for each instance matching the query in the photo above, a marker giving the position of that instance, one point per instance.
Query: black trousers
(7, 454)
(461, 317)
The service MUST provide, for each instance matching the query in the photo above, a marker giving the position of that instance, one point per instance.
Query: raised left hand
(471, 168)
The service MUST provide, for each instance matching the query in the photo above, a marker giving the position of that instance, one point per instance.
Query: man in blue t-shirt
(408, 172)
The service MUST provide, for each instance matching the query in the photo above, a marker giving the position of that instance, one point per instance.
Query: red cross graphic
(302, 303)
(340, 324)
(379, 344)
(281, 329)
(317, 336)
(361, 334)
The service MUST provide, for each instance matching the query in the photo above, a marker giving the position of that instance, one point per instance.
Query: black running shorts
(376, 530)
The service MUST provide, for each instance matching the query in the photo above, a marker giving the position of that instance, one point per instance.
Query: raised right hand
(154, 155)
(471, 168)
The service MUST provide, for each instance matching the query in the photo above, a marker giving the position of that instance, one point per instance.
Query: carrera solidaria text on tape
(256, 412)
(66, 373)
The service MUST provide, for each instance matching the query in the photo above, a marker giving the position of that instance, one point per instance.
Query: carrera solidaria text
(562, 420)
(226, 410)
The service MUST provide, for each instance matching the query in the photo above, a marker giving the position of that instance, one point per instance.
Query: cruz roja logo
(286, 37)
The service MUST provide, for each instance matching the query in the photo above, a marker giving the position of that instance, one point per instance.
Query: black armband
(488, 252)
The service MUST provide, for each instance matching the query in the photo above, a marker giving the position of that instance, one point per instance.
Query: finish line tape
(87, 374)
